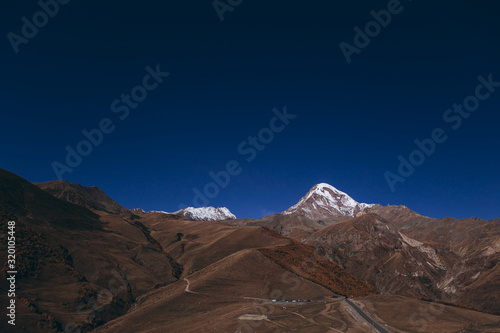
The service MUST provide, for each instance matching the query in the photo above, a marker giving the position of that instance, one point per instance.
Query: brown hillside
(20, 198)
(89, 197)
(294, 226)
(70, 258)
(373, 250)
(304, 262)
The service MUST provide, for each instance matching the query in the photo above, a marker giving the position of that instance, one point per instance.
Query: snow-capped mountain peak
(324, 201)
(206, 214)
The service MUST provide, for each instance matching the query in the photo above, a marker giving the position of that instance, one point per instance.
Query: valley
(86, 263)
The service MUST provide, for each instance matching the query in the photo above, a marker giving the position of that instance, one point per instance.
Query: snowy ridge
(325, 201)
(206, 214)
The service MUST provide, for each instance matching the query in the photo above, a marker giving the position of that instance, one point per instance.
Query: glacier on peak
(325, 201)
(206, 213)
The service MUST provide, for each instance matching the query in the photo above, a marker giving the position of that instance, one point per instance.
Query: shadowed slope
(22, 199)
(89, 197)
(74, 266)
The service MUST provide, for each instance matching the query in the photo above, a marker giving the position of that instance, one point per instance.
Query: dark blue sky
(353, 120)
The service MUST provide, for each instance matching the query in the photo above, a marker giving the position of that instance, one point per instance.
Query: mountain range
(86, 263)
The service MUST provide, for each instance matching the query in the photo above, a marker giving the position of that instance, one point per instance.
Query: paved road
(366, 317)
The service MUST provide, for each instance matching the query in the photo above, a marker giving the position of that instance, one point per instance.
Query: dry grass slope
(304, 262)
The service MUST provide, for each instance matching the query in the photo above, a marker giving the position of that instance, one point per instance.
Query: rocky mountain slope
(85, 264)
(396, 249)
(79, 268)
(373, 249)
(89, 197)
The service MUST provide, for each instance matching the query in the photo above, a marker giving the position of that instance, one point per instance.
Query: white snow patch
(330, 199)
(206, 213)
